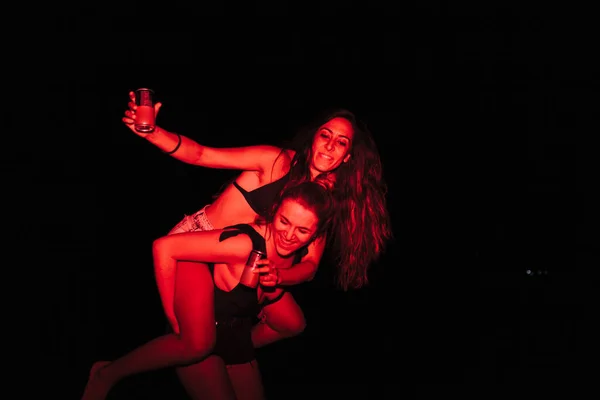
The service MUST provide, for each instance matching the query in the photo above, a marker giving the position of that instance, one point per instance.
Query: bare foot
(96, 388)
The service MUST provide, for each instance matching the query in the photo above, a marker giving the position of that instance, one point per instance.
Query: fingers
(268, 280)
(132, 107)
(268, 275)
(263, 266)
(131, 103)
(129, 117)
(263, 262)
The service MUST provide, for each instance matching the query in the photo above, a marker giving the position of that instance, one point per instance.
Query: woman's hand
(129, 118)
(268, 272)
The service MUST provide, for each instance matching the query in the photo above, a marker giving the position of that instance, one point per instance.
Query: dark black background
(483, 115)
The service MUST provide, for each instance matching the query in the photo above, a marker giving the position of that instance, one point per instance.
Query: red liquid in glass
(144, 119)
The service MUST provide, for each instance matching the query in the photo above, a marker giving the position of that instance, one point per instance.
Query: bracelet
(176, 147)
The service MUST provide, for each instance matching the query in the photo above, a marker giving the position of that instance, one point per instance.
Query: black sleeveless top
(236, 310)
(261, 199)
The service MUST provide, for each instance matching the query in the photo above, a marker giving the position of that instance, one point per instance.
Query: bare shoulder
(260, 228)
(232, 243)
(277, 164)
(264, 155)
(290, 153)
(269, 151)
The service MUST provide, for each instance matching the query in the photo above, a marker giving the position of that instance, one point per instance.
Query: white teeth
(285, 243)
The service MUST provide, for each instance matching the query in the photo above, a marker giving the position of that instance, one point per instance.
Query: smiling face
(331, 145)
(293, 226)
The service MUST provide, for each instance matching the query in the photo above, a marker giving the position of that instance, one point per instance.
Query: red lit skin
(190, 310)
(292, 228)
(259, 167)
(331, 145)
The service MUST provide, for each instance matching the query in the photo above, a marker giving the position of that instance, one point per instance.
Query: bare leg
(194, 307)
(283, 319)
(95, 388)
(247, 381)
(165, 268)
(165, 272)
(207, 379)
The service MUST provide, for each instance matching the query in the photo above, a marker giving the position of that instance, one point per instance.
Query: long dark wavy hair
(361, 225)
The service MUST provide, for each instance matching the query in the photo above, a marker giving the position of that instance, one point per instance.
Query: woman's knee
(207, 379)
(247, 381)
(296, 325)
(159, 245)
(286, 320)
(198, 346)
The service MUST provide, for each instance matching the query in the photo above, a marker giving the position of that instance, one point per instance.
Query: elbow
(313, 272)
(195, 156)
(162, 249)
(158, 246)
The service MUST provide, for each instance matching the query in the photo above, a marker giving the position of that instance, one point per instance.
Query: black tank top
(236, 310)
(261, 199)
(241, 301)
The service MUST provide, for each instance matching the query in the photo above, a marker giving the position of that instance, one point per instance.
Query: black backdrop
(481, 115)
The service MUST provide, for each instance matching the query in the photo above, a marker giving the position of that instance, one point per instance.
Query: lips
(325, 156)
(285, 244)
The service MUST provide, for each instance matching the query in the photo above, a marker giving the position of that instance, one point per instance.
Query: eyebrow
(330, 131)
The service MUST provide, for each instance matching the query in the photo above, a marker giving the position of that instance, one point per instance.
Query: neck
(314, 173)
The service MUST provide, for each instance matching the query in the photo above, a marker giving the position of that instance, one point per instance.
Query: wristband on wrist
(176, 147)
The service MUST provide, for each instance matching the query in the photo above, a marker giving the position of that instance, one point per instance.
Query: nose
(329, 145)
(289, 235)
